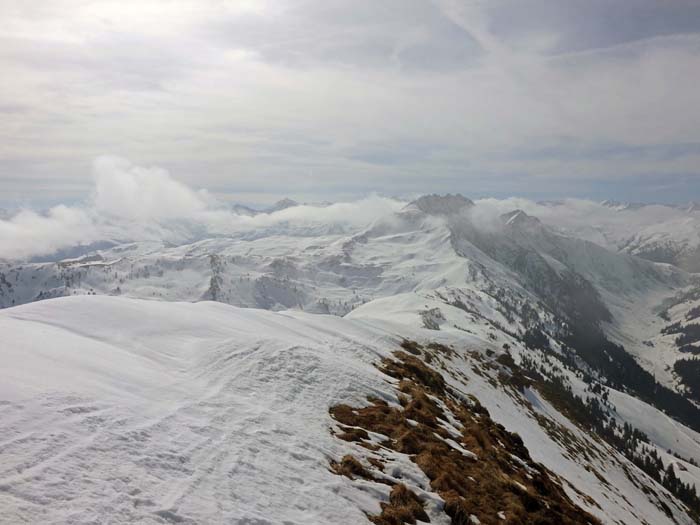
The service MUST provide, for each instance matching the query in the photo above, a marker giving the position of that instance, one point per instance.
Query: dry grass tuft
(352, 434)
(526, 492)
(442, 349)
(411, 347)
(410, 367)
(350, 467)
(403, 507)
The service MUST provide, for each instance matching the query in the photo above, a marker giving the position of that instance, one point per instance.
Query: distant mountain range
(574, 323)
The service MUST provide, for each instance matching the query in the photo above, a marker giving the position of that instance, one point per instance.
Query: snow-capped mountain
(240, 209)
(247, 211)
(570, 344)
(657, 232)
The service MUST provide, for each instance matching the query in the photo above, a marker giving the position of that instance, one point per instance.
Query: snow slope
(118, 410)
(148, 412)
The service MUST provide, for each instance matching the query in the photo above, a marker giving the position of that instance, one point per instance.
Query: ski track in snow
(241, 437)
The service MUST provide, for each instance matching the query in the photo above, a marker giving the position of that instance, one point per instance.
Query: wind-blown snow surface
(118, 410)
(145, 411)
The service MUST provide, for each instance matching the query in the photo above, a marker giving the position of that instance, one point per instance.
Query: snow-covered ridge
(155, 412)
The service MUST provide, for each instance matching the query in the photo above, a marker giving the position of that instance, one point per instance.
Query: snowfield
(127, 411)
(118, 410)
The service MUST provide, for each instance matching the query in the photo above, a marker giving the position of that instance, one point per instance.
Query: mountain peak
(282, 204)
(241, 209)
(518, 218)
(622, 206)
(442, 204)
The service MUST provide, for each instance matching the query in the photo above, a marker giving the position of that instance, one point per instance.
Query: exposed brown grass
(411, 347)
(410, 367)
(403, 507)
(352, 434)
(526, 492)
(350, 467)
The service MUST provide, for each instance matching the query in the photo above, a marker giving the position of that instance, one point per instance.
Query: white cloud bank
(29, 233)
(134, 203)
(132, 192)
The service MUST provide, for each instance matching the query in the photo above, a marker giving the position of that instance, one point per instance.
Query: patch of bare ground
(486, 473)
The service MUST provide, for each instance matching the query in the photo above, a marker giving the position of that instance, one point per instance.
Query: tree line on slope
(592, 415)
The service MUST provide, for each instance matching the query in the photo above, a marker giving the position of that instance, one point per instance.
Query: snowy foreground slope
(116, 410)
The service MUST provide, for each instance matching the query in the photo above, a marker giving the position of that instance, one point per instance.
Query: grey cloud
(406, 35)
(571, 150)
(14, 108)
(334, 97)
(393, 153)
(111, 60)
(590, 24)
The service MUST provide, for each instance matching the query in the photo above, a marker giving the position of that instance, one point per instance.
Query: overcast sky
(326, 99)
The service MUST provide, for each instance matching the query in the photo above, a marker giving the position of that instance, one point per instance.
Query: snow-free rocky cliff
(150, 383)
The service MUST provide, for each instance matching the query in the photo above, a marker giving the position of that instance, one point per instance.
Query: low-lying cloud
(608, 223)
(137, 193)
(29, 233)
(135, 203)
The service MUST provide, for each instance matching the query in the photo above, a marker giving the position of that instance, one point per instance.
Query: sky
(335, 100)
